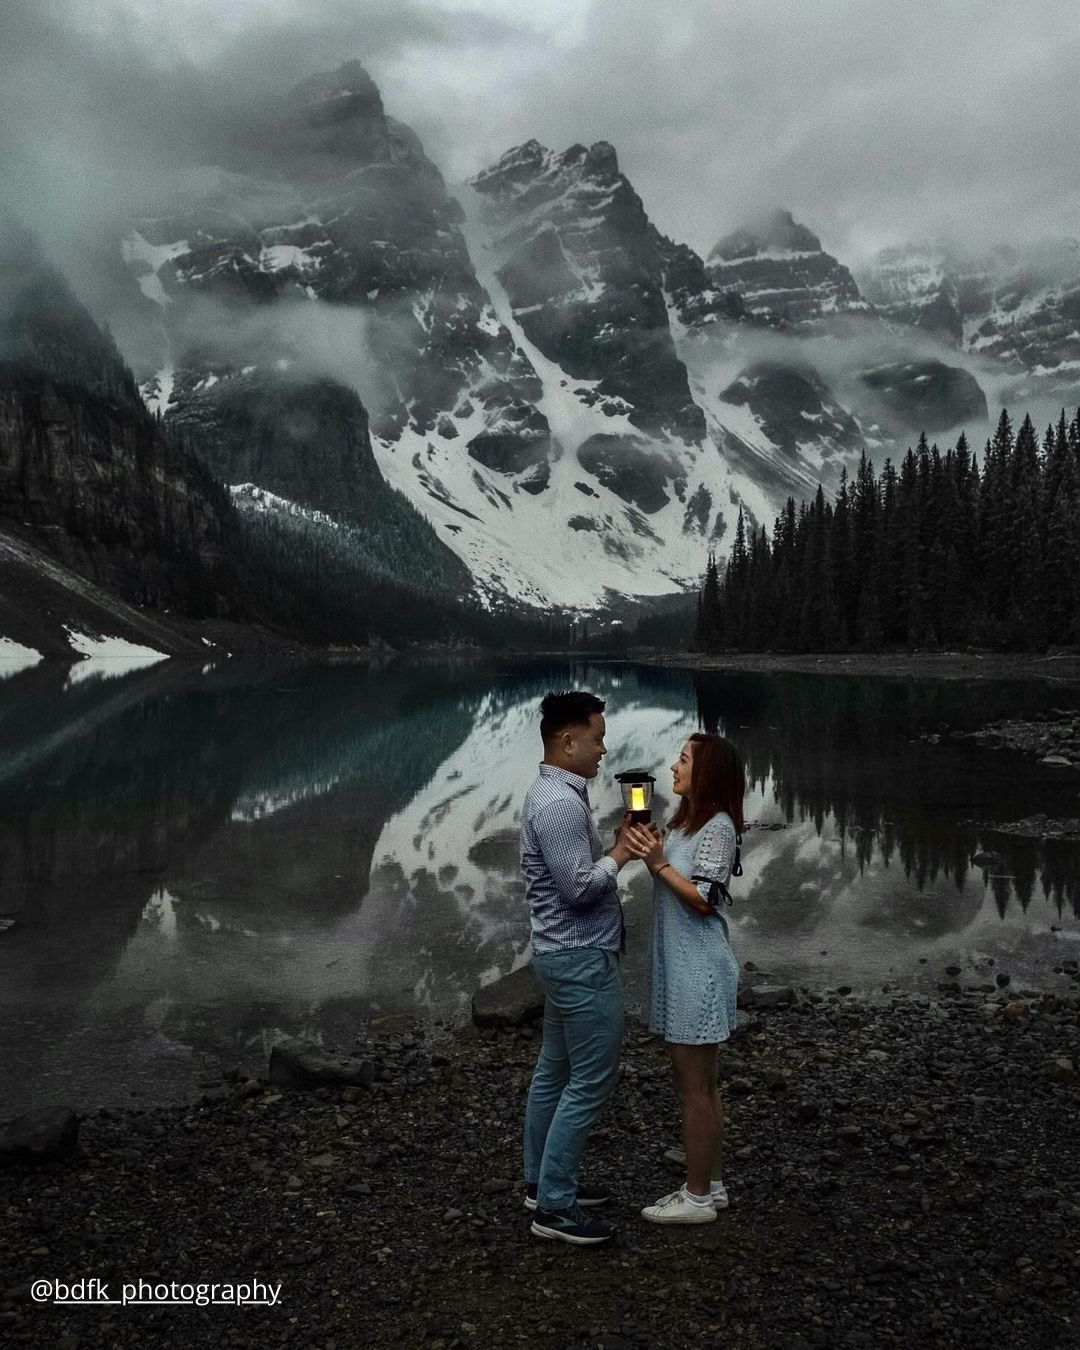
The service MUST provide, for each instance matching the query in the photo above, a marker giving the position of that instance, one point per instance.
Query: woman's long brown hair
(717, 783)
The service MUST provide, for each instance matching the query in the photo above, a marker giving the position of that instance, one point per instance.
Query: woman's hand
(647, 843)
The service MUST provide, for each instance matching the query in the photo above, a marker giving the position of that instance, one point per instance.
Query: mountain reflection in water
(198, 860)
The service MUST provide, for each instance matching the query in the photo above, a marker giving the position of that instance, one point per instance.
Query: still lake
(198, 860)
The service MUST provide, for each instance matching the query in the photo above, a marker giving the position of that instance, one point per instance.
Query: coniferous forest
(943, 551)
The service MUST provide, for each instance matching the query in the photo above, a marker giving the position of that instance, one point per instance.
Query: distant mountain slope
(1014, 306)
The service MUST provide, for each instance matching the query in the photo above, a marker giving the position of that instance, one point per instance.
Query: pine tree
(939, 552)
(708, 637)
(1061, 551)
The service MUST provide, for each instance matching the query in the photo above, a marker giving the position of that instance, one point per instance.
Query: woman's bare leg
(694, 1067)
(721, 1121)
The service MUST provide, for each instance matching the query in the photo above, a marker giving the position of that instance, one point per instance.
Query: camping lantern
(637, 790)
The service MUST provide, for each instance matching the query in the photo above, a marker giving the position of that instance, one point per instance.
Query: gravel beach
(902, 1173)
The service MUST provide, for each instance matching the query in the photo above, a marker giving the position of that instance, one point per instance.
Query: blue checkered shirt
(569, 880)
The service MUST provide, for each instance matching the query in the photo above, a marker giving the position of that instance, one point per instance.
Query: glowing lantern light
(637, 791)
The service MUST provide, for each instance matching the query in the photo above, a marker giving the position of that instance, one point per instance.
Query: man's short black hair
(571, 708)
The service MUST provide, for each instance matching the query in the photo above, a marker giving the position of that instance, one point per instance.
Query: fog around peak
(872, 121)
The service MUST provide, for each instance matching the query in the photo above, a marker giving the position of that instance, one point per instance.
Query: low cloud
(874, 121)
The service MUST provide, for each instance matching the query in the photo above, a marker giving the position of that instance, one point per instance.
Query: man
(577, 939)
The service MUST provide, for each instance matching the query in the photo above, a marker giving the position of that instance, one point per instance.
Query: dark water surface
(199, 860)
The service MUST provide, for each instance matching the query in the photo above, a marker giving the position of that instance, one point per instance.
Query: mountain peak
(775, 232)
(336, 96)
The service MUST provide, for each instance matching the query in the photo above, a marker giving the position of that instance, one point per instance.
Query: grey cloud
(873, 120)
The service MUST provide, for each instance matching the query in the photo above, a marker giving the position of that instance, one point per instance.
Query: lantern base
(640, 817)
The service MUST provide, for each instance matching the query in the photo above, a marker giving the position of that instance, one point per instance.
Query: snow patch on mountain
(251, 497)
(15, 657)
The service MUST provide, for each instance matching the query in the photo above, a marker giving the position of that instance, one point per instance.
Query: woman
(693, 977)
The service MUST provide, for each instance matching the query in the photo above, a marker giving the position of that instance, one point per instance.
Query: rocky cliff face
(306, 440)
(85, 472)
(581, 269)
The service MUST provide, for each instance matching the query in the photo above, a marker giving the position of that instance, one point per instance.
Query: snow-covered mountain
(1018, 307)
(512, 362)
(578, 405)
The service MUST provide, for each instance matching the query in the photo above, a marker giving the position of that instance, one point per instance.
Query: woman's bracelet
(660, 869)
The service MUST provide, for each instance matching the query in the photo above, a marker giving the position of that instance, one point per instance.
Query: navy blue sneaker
(571, 1225)
(588, 1197)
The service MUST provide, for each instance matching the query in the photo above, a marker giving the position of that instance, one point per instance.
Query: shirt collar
(575, 780)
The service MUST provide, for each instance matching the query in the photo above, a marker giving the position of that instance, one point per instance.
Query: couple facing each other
(578, 936)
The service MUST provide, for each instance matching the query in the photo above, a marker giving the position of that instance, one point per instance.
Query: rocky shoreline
(1061, 667)
(901, 1170)
(1053, 739)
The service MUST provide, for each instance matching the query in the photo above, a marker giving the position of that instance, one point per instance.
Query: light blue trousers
(577, 1067)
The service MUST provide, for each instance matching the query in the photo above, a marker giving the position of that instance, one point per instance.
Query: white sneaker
(720, 1198)
(678, 1208)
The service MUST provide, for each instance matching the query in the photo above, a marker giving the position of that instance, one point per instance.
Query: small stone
(850, 1134)
(452, 1215)
(1064, 1068)
(496, 1185)
(1015, 1011)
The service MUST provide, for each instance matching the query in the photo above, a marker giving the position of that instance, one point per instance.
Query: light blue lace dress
(692, 977)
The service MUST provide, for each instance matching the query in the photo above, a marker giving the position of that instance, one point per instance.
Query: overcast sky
(872, 120)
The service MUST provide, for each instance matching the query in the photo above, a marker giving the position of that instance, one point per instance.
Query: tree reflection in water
(851, 749)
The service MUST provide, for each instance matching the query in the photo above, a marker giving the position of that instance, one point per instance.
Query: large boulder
(40, 1135)
(302, 1065)
(510, 1001)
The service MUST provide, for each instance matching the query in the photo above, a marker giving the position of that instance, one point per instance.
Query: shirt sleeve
(714, 852)
(562, 831)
